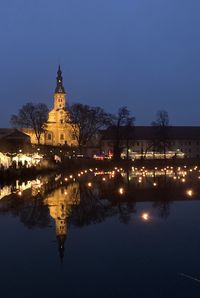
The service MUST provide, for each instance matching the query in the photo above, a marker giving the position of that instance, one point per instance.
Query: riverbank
(74, 165)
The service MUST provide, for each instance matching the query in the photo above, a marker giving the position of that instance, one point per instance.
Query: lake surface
(102, 234)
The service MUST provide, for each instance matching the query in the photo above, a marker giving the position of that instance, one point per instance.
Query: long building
(182, 141)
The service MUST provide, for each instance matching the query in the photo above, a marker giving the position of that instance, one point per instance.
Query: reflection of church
(58, 130)
(60, 204)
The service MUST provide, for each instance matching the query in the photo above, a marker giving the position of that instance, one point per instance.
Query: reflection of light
(121, 191)
(89, 184)
(189, 192)
(145, 216)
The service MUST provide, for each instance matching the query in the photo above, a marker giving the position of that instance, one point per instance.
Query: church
(58, 130)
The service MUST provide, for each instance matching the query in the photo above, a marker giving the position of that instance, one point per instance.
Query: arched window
(61, 136)
(49, 136)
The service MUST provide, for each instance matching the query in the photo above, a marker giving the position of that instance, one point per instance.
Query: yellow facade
(58, 130)
(60, 203)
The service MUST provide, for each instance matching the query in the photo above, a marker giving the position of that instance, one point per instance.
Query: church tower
(59, 95)
(58, 129)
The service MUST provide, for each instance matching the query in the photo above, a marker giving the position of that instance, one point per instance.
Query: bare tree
(31, 116)
(161, 135)
(86, 121)
(125, 120)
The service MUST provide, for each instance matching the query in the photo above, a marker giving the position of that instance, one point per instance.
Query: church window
(61, 136)
(49, 136)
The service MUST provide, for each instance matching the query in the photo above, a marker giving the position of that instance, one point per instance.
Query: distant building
(58, 130)
(12, 139)
(183, 141)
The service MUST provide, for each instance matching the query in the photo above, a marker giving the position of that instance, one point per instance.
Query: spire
(61, 246)
(59, 87)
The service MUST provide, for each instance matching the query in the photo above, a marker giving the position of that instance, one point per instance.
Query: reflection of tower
(60, 204)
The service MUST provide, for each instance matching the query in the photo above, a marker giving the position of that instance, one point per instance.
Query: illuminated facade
(58, 130)
(60, 204)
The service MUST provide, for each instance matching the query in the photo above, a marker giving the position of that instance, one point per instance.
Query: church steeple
(59, 87)
(61, 246)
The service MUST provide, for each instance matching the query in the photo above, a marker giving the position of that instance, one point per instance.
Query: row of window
(178, 143)
(50, 136)
(174, 143)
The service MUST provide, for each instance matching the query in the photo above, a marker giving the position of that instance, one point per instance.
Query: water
(102, 235)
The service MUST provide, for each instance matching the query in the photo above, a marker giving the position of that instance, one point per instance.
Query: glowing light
(154, 184)
(66, 179)
(121, 190)
(189, 192)
(89, 184)
(145, 216)
(19, 193)
(71, 176)
(183, 179)
(104, 179)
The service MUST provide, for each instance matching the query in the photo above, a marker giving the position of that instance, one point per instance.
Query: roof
(59, 87)
(148, 132)
(12, 134)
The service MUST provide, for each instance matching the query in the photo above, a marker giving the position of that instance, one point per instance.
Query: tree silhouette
(31, 116)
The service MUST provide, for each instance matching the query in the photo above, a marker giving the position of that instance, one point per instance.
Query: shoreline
(70, 166)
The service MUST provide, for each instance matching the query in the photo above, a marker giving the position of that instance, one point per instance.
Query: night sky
(141, 53)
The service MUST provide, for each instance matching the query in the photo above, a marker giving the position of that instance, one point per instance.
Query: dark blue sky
(141, 53)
